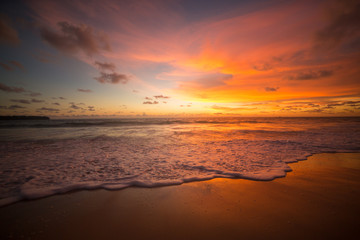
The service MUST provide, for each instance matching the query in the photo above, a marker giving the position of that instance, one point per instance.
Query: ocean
(39, 158)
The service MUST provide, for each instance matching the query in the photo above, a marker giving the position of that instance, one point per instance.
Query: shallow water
(41, 158)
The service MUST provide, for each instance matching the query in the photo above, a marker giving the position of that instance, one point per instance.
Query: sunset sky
(179, 58)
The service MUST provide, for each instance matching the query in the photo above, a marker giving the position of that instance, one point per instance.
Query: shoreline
(320, 195)
(49, 192)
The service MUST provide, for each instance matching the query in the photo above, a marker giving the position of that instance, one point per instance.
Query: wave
(73, 123)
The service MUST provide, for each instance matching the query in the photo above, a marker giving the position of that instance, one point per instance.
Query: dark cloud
(5, 88)
(311, 75)
(263, 67)
(317, 110)
(13, 107)
(23, 101)
(17, 64)
(271, 89)
(344, 25)
(91, 108)
(75, 38)
(161, 96)
(8, 34)
(149, 102)
(37, 100)
(55, 103)
(148, 98)
(105, 66)
(6, 67)
(313, 105)
(84, 90)
(34, 94)
(62, 98)
(48, 109)
(113, 78)
(74, 106)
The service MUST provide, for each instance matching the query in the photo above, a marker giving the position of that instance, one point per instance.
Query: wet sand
(319, 199)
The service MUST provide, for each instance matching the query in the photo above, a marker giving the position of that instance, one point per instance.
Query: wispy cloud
(23, 101)
(34, 100)
(13, 107)
(84, 90)
(74, 106)
(6, 88)
(344, 25)
(150, 102)
(161, 97)
(6, 67)
(105, 66)
(74, 38)
(48, 109)
(308, 75)
(216, 107)
(8, 34)
(271, 89)
(17, 64)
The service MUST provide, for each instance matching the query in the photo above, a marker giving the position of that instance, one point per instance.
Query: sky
(179, 58)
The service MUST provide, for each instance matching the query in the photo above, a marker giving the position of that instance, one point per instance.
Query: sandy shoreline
(319, 199)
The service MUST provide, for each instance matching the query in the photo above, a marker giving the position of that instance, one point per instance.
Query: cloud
(10, 68)
(74, 106)
(12, 107)
(17, 64)
(113, 78)
(263, 67)
(8, 34)
(210, 80)
(91, 108)
(216, 107)
(84, 90)
(55, 103)
(37, 100)
(344, 25)
(5, 88)
(311, 75)
(34, 94)
(23, 101)
(48, 109)
(74, 38)
(105, 66)
(271, 89)
(161, 96)
(6, 67)
(148, 98)
(149, 102)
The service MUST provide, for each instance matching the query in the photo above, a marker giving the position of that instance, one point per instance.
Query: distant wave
(120, 122)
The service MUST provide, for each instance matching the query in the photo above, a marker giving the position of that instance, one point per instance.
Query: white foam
(151, 156)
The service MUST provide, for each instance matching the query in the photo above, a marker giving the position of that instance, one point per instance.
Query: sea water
(46, 157)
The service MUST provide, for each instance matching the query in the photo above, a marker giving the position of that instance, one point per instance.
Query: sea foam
(41, 161)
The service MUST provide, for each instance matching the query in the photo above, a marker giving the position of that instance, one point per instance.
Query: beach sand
(319, 199)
